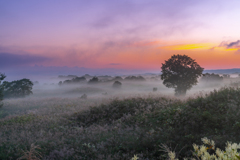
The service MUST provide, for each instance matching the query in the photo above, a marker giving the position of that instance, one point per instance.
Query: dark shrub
(84, 96)
(117, 84)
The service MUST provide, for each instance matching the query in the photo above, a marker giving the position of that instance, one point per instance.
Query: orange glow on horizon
(137, 55)
(189, 46)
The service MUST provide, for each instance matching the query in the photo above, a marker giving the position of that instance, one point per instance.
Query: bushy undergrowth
(123, 128)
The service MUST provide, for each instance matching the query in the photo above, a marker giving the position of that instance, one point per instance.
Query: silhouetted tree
(60, 83)
(93, 80)
(2, 76)
(84, 96)
(19, 88)
(75, 80)
(78, 79)
(180, 72)
(117, 84)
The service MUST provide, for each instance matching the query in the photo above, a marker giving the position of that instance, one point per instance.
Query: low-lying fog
(49, 93)
(104, 87)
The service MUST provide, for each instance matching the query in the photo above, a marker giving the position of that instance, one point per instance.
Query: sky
(118, 34)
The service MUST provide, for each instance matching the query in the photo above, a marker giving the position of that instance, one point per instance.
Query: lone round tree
(180, 72)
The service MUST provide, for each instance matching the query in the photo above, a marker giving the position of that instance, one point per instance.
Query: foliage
(213, 116)
(32, 154)
(60, 83)
(94, 80)
(230, 153)
(180, 72)
(135, 78)
(208, 151)
(119, 129)
(74, 80)
(84, 96)
(2, 76)
(19, 88)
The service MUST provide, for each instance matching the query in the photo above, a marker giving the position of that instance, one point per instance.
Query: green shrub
(19, 88)
(216, 115)
(208, 151)
(123, 128)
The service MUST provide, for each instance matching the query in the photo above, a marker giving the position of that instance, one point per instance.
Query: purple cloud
(230, 45)
(13, 60)
(114, 64)
(233, 44)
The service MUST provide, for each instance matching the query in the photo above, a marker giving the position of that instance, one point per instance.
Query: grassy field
(117, 128)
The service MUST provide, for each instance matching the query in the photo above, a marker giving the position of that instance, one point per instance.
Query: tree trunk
(180, 92)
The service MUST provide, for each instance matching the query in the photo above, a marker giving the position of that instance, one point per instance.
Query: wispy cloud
(231, 46)
(115, 64)
(235, 44)
(14, 60)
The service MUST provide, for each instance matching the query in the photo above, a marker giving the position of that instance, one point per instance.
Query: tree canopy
(94, 80)
(181, 73)
(19, 88)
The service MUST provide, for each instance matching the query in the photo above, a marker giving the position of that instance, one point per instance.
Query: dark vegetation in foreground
(123, 128)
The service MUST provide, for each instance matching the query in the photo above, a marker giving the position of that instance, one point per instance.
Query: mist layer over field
(47, 92)
(97, 120)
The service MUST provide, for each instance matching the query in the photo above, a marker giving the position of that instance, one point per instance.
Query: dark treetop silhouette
(181, 73)
(2, 76)
(19, 88)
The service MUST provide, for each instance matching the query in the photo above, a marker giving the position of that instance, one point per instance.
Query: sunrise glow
(118, 35)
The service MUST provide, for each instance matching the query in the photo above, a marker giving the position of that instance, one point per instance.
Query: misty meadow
(119, 80)
(117, 117)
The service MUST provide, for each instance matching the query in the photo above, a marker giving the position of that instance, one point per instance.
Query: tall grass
(120, 128)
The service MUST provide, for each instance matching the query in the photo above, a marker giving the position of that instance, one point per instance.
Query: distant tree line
(73, 81)
(95, 79)
(211, 78)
